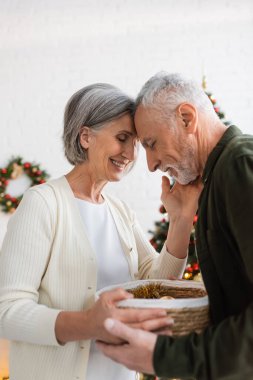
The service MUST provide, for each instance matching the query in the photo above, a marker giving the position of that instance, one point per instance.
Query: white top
(112, 265)
(112, 269)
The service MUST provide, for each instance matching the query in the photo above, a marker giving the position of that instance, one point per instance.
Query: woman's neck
(84, 185)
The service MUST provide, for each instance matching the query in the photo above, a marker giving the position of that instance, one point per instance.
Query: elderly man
(182, 135)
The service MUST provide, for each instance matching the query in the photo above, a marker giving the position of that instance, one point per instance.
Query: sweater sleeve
(153, 265)
(23, 261)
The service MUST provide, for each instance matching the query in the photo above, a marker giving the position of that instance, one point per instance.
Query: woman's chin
(116, 178)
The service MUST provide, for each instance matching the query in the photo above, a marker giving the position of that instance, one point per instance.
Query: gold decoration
(197, 277)
(204, 82)
(17, 171)
(187, 276)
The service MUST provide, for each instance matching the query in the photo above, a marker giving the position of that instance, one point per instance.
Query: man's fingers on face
(165, 184)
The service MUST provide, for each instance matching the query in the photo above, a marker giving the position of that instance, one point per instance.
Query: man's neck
(209, 135)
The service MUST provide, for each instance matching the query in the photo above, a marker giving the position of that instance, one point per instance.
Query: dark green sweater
(225, 252)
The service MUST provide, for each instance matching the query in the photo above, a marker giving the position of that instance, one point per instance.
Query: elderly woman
(68, 239)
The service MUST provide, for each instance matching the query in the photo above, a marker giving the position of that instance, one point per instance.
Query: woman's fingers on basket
(140, 315)
(154, 324)
(115, 295)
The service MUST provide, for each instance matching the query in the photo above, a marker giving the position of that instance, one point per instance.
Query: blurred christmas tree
(160, 235)
(161, 227)
(216, 107)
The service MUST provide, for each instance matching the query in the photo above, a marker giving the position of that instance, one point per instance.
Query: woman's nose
(130, 151)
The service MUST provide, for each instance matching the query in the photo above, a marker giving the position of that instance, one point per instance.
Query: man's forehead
(148, 122)
(144, 120)
(144, 113)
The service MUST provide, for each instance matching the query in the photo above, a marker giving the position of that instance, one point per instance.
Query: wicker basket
(189, 307)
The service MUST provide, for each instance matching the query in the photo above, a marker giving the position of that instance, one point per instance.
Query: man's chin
(185, 181)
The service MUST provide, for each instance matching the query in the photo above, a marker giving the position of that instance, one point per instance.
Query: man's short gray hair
(166, 91)
(93, 106)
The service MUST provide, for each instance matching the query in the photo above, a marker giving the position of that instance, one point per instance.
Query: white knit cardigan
(47, 265)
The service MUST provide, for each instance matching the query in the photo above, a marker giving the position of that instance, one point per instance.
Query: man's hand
(137, 351)
(181, 200)
(181, 204)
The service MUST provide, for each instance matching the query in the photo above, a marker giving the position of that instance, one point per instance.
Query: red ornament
(4, 171)
(42, 181)
(27, 165)
(195, 266)
(162, 209)
(7, 196)
(195, 218)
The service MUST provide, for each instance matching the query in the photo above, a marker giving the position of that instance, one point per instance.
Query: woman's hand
(89, 324)
(106, 306)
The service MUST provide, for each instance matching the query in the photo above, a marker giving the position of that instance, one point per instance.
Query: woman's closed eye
(123, 137)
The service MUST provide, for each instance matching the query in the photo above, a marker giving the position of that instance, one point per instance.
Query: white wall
(51, 48)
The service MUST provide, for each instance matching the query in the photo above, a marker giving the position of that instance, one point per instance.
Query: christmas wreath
(15, 168)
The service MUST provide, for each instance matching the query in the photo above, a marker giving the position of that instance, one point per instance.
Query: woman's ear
(189, 115)
(84, 135)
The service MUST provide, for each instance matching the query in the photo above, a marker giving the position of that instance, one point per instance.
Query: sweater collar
(230, 133)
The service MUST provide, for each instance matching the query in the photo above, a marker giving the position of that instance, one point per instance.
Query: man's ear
(85, 136)
(189, 116)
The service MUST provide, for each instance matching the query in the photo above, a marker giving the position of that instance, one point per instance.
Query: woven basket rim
(186, 303)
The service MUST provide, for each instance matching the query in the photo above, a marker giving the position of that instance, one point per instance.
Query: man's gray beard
(185, 176)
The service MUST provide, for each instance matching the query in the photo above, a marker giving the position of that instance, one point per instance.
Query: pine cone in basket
(158, 290)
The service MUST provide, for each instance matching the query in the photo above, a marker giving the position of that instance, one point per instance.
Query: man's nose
(152, 162)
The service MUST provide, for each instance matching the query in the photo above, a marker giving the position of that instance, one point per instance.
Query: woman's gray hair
(166, 91)
(93, 106)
